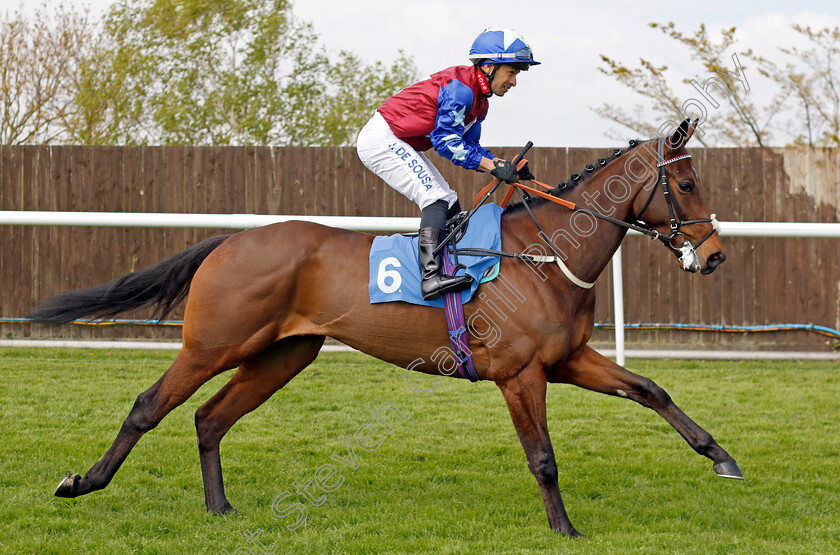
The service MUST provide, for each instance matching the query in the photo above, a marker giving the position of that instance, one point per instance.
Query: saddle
(453, 223)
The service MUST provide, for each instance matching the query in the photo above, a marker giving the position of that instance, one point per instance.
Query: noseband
(687, 250)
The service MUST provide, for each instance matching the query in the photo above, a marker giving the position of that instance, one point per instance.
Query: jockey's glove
(505, 171)
(525, 173)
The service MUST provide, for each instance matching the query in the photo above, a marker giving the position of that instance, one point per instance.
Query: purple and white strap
(674, 159)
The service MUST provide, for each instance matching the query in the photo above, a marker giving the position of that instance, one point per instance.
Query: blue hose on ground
(103, 322)
(823, 330)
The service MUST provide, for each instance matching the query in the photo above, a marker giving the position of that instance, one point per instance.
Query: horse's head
(675, 208)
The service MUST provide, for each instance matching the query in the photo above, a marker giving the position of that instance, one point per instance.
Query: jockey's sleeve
(451, 138)
(471, 138)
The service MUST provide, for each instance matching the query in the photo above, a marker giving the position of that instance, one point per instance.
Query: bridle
(687, 250)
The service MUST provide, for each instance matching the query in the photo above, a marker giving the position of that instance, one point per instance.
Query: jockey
(444, 112)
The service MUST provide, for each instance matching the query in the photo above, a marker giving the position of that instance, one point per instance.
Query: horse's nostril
(715, 259)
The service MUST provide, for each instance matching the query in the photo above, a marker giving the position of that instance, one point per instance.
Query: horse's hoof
(576, 534)
(728, 469)
(571, 533)
(69, 486)
(226, 509)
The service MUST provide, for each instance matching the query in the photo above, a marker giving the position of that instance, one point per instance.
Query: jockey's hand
(525, 173)
(505, 171)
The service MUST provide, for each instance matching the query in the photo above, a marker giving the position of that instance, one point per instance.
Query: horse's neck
(586, 243)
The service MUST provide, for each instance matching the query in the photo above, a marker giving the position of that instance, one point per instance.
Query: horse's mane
(575, 180)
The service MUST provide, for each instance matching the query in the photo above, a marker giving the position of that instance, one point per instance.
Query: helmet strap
(484, 80)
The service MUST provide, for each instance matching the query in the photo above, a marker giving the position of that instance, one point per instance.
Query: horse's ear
(682, 134)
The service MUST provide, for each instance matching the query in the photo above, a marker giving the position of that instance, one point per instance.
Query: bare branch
(38, 56)
(748, 124)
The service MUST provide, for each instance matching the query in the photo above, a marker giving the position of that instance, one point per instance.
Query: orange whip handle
(509, 193)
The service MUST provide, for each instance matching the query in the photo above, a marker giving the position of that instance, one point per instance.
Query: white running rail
(357, 223)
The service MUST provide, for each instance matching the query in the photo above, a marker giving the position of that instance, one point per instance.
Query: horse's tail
(164, 285)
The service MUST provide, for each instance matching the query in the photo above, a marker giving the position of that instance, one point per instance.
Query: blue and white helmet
(496, 45)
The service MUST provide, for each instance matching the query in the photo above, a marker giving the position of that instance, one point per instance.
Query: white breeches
(403, 168)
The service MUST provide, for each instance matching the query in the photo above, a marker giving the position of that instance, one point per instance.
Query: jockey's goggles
(524, 54)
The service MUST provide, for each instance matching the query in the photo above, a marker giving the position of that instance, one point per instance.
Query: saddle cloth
(395, 270)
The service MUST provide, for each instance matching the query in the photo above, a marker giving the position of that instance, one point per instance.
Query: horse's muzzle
(713, 261)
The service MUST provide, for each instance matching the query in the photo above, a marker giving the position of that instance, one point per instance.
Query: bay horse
(265, 299)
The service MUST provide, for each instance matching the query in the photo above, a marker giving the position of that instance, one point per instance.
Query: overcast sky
(552, 103)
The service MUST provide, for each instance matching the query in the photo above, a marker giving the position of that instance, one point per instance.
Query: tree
(38, 58)
(810, 76)
(743, 124)
(223, 72)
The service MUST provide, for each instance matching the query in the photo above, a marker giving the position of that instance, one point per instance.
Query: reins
(522, 191)
(572, 206)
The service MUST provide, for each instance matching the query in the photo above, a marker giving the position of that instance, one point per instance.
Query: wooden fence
(764, 281)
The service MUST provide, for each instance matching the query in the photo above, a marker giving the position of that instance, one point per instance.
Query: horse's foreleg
(187, 373)
(593, 371)
(525, 397)
(256, 380)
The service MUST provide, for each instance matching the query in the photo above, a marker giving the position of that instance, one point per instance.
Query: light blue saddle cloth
(395, 270)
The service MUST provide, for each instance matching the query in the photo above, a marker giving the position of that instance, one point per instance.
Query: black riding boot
(434, 284)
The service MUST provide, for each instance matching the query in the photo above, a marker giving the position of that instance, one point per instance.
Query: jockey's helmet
(496, 45)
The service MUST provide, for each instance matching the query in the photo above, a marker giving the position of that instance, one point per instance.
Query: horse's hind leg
(255, 381)
(595, 372)
(188, 372)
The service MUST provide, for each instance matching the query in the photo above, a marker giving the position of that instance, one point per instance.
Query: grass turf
(451, 478)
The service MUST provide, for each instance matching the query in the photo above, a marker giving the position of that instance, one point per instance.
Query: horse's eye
(686, 186)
